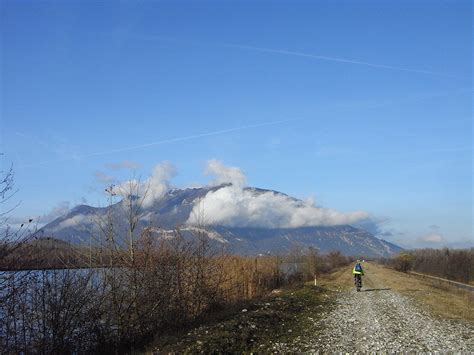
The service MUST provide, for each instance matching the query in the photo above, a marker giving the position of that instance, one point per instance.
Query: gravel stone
(385, 320)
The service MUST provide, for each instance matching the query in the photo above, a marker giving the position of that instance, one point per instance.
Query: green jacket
(354, 272)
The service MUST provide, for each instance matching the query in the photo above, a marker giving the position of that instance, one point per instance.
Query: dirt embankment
(277, 323)
(394, 312)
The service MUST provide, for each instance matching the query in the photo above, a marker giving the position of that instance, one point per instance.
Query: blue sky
(365, 105)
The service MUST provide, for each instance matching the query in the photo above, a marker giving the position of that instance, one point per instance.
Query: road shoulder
(285, 321)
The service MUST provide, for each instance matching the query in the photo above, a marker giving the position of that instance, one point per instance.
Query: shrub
(403, 262)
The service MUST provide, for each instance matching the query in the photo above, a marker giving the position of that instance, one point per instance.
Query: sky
(362, 106)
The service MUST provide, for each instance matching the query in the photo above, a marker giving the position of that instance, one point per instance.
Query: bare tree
(11, 239)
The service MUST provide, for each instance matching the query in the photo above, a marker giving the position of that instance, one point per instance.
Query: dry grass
(339, 280)
(248, 277)
(437, 297)
(440, 298)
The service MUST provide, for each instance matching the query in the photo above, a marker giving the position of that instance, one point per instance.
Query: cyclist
(358, 272)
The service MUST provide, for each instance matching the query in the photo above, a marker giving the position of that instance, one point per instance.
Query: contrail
(334, 59)
(164, 141)
(297, 54)
(179, 139)
(223, 131)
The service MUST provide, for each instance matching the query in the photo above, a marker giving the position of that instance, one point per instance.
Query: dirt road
(381, 319)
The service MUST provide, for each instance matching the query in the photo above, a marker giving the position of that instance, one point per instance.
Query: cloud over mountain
(234, 206)
(225, 174)
(152, 188)
(245, 219)
(231, 204)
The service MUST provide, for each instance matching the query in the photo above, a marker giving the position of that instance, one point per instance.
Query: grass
(441, 299)
(339, 280)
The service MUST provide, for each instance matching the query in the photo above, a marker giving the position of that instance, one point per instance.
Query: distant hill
(175, 207)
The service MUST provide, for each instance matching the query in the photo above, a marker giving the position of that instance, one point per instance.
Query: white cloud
(225, 174)
(73, 221)
(151, 189)
(235, 206)
(432, 238)
(59, 210)
(32, 223)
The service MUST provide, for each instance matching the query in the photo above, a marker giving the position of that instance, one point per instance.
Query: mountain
(83, 224)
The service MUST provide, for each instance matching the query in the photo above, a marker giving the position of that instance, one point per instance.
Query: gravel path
(379, 319)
